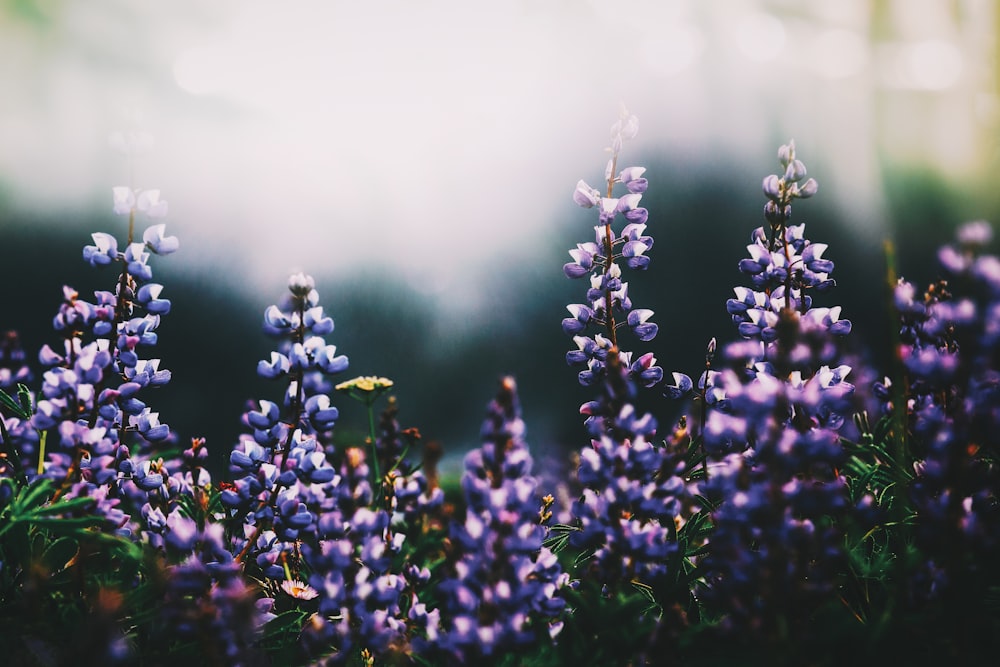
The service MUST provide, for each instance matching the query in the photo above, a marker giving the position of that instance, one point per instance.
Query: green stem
(42, 436)
(406, 450)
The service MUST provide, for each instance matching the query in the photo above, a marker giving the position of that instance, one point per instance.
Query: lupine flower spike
(772, 429)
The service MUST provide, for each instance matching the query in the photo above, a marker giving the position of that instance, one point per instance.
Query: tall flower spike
(608, 307)
(630, 490)
(500, 593)
(99, 387)
(770, 422)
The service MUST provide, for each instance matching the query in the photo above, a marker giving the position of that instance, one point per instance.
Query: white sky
(422, 137)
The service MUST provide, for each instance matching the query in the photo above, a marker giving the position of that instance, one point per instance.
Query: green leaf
(882, 497)
(125, 548)
(7, 481)
(699, 551)
(556, 543)
(694, 574)
(24, 398)
(645, 589)
(881, 431)
(694, 462)
(64, 524)
(565, 527)
(705, 502)
(65, 505)
(34, 495)
(586, 555)
(60, 554)
(12, 406)
(285, 622)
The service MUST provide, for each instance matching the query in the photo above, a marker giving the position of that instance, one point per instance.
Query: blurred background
(419, 157)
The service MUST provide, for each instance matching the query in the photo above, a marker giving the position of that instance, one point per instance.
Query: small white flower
(298, 589)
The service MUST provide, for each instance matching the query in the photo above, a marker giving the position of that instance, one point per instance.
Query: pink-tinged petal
(299, 590)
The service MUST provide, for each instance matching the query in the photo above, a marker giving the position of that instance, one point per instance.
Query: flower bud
(786, 153)
(795, 171)
(772, 214)
(772, 187)
(808, 189)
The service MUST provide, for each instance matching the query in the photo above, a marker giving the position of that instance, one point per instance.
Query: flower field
(807, 508)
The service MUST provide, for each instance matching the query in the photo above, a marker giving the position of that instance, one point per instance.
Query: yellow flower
(365, 388)
(365, 383)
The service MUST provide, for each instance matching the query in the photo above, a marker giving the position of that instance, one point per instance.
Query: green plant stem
(406, 450)
(42, 436)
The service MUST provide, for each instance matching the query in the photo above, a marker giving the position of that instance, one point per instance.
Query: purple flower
(500, 591)
(586, 196)
(770, 431)
(155, 240)
(104, 250)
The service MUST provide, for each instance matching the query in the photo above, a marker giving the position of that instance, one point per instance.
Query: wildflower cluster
(630, 491)
(787, 515)
(771, 429)
(500, 589)
(949, 346)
